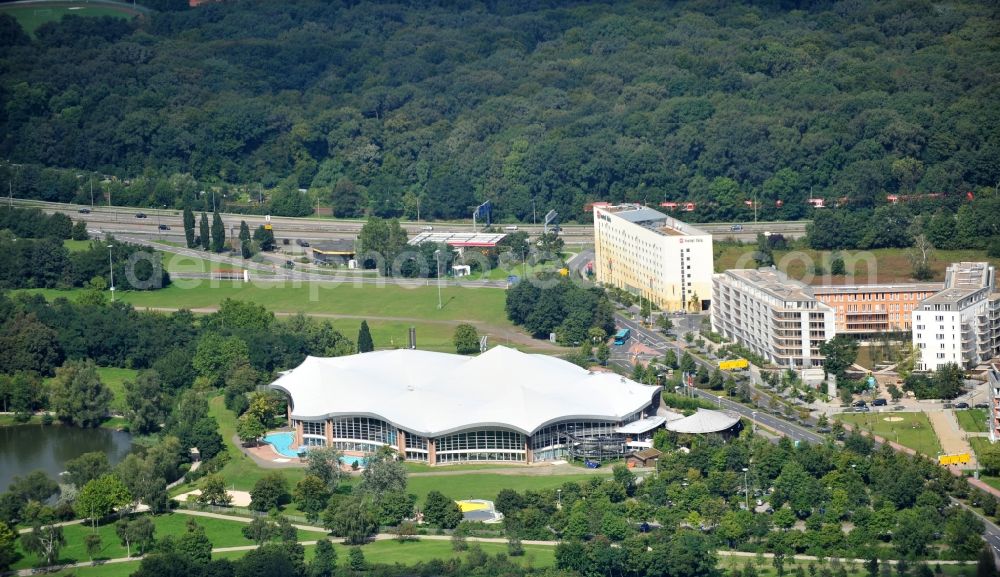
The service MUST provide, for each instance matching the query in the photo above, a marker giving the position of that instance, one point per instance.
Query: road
(123, 220)
(795, 432)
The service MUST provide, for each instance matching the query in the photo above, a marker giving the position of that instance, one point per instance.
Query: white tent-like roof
(432, 393)
(704, 421)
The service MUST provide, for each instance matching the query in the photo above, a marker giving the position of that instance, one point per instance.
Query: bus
(622, 335)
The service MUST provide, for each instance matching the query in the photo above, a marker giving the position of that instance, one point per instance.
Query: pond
(24, 448)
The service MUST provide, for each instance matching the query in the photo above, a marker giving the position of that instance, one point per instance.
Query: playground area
(479, 510)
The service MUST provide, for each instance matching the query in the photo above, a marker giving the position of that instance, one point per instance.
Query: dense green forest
(384, 108)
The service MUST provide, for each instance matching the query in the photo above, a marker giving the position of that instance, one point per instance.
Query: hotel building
(960, 324)
(654, 256)
(774, 316)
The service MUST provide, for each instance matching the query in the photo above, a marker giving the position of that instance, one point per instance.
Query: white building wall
(667, 269)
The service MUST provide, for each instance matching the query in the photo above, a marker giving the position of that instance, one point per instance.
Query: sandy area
(240, 498)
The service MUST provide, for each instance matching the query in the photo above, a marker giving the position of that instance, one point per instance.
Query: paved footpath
(951, 435)
(379, 537)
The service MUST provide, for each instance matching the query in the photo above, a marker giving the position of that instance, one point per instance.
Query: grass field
(972, 420)
(31, 17)
(538, 556)
(912, 430)
(486, 485)
(879, 265)
(74, 245)
(460, 303)
(222, 533)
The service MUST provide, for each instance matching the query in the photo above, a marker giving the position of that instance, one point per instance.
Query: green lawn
(31, 17)
(460, 303)
(486, 485)
(241, 472)
(912, 430)
(76, 245)
(221, 532)
(114, 378)
(972, 420)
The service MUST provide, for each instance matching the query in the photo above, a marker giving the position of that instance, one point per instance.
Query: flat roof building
(333, 251)
(654, 256)
(774, 316)
(874, 308)
(503, 405)
(961, 323)
(459, 239)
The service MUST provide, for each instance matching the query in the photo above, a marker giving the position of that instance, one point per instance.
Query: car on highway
(962, 405)
(736, 228)
(301, 242)
(84, 211)
(163, 227)
(861, 409)
(427, 228)
(140, 215)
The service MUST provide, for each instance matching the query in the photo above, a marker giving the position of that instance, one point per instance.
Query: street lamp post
(753, 415)
(111, 265)
(559, 498)
(437, 258)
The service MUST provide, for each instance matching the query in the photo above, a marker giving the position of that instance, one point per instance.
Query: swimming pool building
(503, 405)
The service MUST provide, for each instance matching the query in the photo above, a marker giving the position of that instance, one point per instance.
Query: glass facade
(364, 429)
(314, 428)
(481, 445)
(548, 443)
(367, 435)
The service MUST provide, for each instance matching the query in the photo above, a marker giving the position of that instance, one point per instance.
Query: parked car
(140, 215)
(981, 406)
(861, 409)
(164, 227)
(962, 405)
(859, 403)
(948, 406)
(823, 430)
(289, 264)
(84, 211)
(880, 403)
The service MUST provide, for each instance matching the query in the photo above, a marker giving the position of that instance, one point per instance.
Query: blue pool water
(282, 443)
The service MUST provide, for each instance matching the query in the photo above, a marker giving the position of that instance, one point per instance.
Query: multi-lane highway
(123, 220)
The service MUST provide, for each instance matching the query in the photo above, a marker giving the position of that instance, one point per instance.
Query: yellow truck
(734, 364)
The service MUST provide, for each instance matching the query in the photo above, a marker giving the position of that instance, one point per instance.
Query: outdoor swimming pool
(282, 443)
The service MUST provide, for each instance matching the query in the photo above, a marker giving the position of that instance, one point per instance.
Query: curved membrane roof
(432, 393)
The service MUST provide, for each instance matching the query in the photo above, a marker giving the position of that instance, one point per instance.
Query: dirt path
(950, 435)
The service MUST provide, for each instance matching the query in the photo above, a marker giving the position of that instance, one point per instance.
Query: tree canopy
(431, 109)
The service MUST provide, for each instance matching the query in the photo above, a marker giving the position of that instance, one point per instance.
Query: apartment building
(961, 323)
(653, 256)
(993, 416)
(871, 309)
(774, 316)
